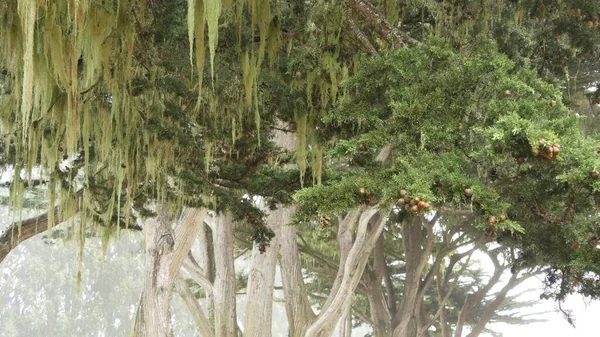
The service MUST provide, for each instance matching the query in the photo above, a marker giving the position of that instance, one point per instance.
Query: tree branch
(188, 297)
(20, 231)
(387, 32)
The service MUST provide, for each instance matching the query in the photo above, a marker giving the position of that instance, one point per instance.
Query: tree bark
(346, 322)
(297, 306)
(261, 279)
(224, 286)
(165, 251)
(416, 253)
(351, 267)
(380, 314)
(200, 318)
(18, 232)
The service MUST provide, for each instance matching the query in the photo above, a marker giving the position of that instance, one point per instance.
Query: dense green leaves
(467, 120)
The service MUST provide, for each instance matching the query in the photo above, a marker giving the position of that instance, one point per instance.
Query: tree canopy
(137, 109)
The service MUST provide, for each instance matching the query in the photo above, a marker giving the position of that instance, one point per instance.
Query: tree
(153, 128)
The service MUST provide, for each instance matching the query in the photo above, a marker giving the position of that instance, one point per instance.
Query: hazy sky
(586, 315)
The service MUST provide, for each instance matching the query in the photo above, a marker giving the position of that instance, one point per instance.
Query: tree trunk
(224, 286)
(201, 268)
(346, 323)
(380, 314)
(416, 253)
(261, 279)
(297, 306)
(165, 251)
(351, 268)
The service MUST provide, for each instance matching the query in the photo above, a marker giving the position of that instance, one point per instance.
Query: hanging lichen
(200, 47)
(301, 130)
(207, 156)
(317, 164)
(191, 27)
(212, 8)
(27, 13)
(257, 115)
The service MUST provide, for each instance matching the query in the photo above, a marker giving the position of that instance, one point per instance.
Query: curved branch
(20, 231)
(353, 267)
(188, 297)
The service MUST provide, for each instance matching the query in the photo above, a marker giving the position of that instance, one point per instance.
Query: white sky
(586, 316)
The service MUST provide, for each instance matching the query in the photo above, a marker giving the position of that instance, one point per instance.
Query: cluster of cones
(491, 230)
(544, 150)
(412, 205)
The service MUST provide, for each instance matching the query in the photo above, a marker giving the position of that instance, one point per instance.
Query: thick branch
(297, 306)
(493, 306)
(353, 268)
(479, 295)
(15, 233)
(387, 32)
(361, 35)
(197, 274)
(193, 305)
(416, 259)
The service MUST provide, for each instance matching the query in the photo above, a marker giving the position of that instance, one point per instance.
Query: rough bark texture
(380, 314)
(297, 306)
(224, 286)
(346, 323)
(165, 251)
(416, 253)
(261, 279)
(352, 268)
(206, 264)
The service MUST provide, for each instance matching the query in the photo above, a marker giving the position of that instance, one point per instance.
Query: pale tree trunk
(352, 265)
(346, 322)
(261, 279)
(201, 268)
(165, 251)
(416, 253)
(206, 261)
(441, 293)
(214, 271)
(297, 306)
(224, 285)
(380, 314)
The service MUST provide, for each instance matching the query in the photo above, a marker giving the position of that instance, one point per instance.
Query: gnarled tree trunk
(166, 249)
(416, 253)
(353, 258)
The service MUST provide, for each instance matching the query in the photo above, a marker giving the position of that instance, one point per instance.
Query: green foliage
(463, 120)
(114, 87)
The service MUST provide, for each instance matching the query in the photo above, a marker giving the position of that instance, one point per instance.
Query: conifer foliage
(403, 107)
